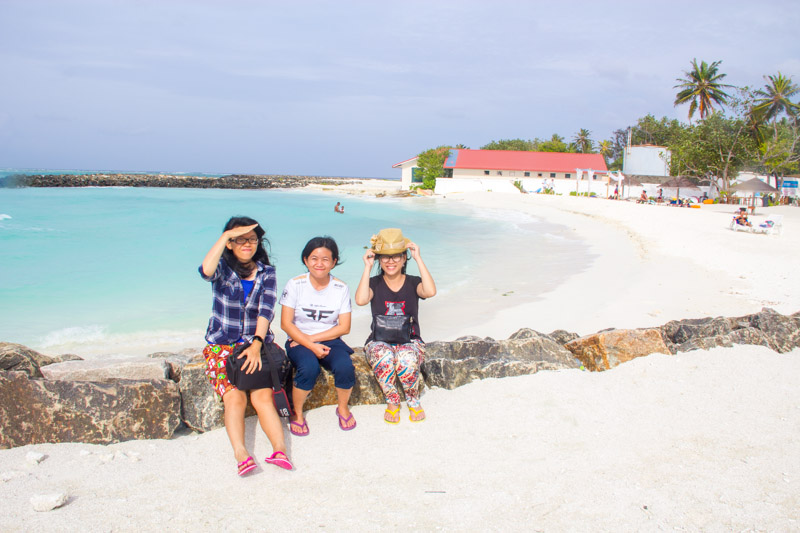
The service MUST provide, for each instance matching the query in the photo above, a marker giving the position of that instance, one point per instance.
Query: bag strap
(276, 382)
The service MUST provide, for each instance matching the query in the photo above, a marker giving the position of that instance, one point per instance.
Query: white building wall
(646, 160)
(531, 185)
(509, 174)
(452, 185)
(406, 172)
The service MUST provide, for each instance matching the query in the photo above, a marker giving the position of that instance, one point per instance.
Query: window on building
(499, 172)
(527, 174)
(552, 174)
(416, 175)
(485, 172)
(539, 174)
(568, 176)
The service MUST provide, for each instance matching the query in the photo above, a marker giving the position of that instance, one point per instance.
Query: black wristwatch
(258, 337)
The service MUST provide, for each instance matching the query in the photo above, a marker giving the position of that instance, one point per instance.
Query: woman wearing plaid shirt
(245, 293)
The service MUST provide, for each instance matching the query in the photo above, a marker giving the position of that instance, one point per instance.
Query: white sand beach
(700, 441)
(651, 264)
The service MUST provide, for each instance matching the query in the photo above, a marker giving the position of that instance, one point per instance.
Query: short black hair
(320, 242)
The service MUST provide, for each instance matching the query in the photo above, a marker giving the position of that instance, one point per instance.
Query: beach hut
(753, 186)
(679, 182)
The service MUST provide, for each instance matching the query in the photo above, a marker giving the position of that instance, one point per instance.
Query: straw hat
(389, 241)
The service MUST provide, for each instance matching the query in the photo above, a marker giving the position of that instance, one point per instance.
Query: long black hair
(245, 270)
(320, 242)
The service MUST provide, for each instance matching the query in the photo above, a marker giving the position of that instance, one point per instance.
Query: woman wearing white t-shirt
(315, 313)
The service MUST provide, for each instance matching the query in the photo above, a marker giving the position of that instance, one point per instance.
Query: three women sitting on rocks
(315, 314)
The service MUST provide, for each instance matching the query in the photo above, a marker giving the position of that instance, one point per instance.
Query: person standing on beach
(244, 286)
(315, 313)
(393, 293)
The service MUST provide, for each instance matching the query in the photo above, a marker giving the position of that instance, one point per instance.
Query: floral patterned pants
(391, 361)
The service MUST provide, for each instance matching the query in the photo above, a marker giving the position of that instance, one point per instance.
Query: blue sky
(350, 88)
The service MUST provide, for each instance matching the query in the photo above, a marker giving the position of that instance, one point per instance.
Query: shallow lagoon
(114, 270)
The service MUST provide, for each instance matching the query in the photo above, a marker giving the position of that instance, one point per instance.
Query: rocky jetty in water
(63, 399)
(233, 181)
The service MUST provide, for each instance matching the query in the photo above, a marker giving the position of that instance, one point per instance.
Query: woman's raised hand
(369, 258)
(414, 249)
(238, 231)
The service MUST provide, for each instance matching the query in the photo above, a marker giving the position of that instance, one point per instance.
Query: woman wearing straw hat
(394, 347)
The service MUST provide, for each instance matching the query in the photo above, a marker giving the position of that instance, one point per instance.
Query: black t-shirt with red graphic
(403, 302)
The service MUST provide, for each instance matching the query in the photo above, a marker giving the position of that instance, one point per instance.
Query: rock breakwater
(60, 399)
(233, 181)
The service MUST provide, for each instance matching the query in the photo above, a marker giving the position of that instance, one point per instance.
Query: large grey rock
(19, 358)
(451, 373)
(767, 328)
(176, 361)
(782, 332)
(678, 332)
(366, 390)
(562, 336)
(36, 411)
(738, 336)
(100, 370)
(201, 408)
(452, 364)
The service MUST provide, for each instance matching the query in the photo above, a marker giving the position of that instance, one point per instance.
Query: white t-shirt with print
(316, 311)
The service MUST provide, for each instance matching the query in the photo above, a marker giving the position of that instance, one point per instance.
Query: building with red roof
(509, 166)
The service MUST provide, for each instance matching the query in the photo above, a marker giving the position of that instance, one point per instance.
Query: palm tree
(772, 101)
(605, 147)
(582, 141)
(702, 88)
(774, 98)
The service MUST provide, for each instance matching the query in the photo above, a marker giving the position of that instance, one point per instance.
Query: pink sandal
(248, 465)
(343, 421)
(277, 460)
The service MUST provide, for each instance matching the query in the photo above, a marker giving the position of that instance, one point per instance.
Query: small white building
(646, 160)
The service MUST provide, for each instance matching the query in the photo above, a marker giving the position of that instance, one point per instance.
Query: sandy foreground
(700, 441)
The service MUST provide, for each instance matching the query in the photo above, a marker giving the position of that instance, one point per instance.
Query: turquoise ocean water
(114, 270)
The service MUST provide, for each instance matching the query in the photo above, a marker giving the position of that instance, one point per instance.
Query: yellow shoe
(392, 417)
(416, 413)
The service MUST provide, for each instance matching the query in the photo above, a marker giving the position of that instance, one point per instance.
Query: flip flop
(282, 462)
(395, 413)
(416, 412)
(248, 465)
(343, 421)
(299, 432)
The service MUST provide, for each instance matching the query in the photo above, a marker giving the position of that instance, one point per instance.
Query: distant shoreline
(232, 181)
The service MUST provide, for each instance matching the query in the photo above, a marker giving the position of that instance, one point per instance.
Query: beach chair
(736, 226)
(773, 225)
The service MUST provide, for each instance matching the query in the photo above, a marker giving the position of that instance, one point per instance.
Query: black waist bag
(271, 356)
(392, 329)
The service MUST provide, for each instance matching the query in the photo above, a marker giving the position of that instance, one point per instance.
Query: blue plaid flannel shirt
(232, 320)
